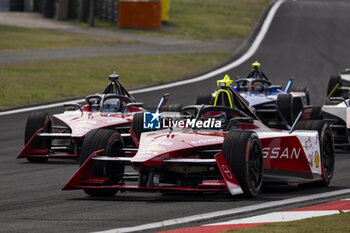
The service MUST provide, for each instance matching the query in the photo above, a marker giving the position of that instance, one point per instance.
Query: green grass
(38, 82)
(338, 223)
(208, 19)
(18, 38)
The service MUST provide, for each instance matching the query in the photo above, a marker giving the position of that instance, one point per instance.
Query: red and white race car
(62, 135)
(207, 149)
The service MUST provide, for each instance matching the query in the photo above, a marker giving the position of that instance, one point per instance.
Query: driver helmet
(94, 104)
(255, 64)
(111, 105)
(255, 73)
(257, 87)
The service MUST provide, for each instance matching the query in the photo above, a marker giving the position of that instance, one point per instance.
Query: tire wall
(4, 5)
(48, 8)
(16, 5)
(27, 6)
(107, 10)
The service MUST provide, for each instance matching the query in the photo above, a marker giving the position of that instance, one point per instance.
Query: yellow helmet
(225, 82)
(256, 64)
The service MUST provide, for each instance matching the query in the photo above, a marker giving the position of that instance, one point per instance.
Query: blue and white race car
(277, 108)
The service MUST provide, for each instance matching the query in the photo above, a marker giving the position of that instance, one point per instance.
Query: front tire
(137, 125)
(109, 140)
(242, 151)
(36, 121)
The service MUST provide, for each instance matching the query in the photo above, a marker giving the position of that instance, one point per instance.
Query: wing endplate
(231, 182)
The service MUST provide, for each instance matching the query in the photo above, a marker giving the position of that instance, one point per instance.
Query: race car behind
(270, 102)
(336, 109)
(62, 135)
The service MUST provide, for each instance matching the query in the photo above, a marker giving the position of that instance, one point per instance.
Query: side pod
(231, 182)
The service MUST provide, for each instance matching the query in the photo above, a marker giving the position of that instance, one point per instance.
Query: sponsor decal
(236, 190)
(308, 144)
(162, 143)
(84, 125)
(227, 171)
(311, 158)
(206, 141)
(146, 154)
(317, 159)
(113, 120)
(154, 148)
(280, 153)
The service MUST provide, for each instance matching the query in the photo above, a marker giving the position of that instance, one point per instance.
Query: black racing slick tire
(305, 90)
(137, 125)
(297, 107)
(171, 108)
(327, 147)
(16, 5)
(109, 140)
(36, 121)
(289, 107)
(332, 82)
(285, 106)
(243, 153)
(205, 99)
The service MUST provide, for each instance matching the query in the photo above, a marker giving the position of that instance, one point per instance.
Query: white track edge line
(222, 213)
(253, 48)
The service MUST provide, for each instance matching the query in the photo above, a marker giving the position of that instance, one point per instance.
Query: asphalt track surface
(307, 40)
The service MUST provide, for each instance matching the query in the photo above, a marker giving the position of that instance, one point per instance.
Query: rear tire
(205, 99)
(297, 107)
(171, 108)
(243, 153)
(305, 90)
(326, 144)
(137, 125)
(98, 139)
(285, 106)
(332, 82)
(36, 121)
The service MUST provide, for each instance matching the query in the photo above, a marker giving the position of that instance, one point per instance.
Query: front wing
(82, 179)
